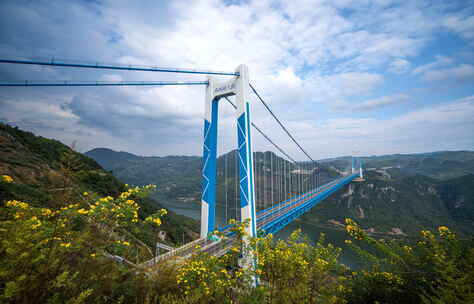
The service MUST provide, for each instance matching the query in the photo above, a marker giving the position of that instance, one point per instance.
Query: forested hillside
(397, 203)
(47, 173)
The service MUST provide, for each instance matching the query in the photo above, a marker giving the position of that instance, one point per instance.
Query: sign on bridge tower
(216, 89)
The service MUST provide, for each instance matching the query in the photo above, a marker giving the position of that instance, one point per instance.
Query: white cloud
(355, 83)
(439, 127)
(399, 66)
(463, 72)
(440, 61)
(301, 54)
(380, 102)
(464, 26)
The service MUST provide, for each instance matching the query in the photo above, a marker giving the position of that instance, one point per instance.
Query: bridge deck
(270, 220)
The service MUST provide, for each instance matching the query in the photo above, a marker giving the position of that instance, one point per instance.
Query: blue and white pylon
(238, 86)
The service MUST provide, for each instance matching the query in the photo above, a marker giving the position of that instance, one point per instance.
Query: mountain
(401, 193)
(47, 173)
(109, 158)
(443, 165)
(179, 177)
(458, 196)
(394, 202)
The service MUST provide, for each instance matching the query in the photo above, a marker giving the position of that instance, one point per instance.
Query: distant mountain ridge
(401, 192)
(395, 202)
(108, 158)
(179, 177)
(439, 165)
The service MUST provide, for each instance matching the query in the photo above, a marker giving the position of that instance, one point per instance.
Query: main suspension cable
(67, 83)
(264, 135)
(112, 66)
(279, 122)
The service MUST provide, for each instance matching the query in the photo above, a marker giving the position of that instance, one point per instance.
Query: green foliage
(48, 150)
(72, 254)
(64, 255)
(295, 272)
(435, 269)
(48, 174)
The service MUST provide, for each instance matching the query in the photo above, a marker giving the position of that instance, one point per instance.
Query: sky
(365, 77)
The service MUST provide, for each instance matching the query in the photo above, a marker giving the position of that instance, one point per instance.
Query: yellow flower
(7, 179)
(38, 223)
(82, 211)
(46, 212)
(427, 234)
(444, 232)
(156, 221)
(163, 212)
(66, 245)
(18, 204)
(85, 194)
(322, 262)
(93, 255)
(126, 243)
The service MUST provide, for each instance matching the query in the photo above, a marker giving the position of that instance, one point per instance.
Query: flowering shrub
(6, 179)
(64, 254)
(436, 268)
(296, 272)
(89, 252)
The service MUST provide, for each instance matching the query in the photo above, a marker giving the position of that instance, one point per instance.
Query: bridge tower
(217, 89)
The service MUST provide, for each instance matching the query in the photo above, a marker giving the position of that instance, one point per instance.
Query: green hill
(458, 196)
(393, 202)
(48, 173)
(439, 165)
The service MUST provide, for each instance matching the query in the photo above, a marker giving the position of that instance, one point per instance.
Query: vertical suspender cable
(256, 180)
(264, 182)
(236, 169)
(271, 178)
(285, 183)
(225, 187)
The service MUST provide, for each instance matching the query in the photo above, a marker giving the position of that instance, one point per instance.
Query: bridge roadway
(269, 220)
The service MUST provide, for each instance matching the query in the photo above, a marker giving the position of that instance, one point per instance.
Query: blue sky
(377, 76)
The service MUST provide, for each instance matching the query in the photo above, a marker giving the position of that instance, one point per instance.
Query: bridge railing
(295, 200)
(280, 222)
(176, 252)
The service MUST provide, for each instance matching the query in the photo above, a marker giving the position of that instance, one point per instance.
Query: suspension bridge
(271, 189)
